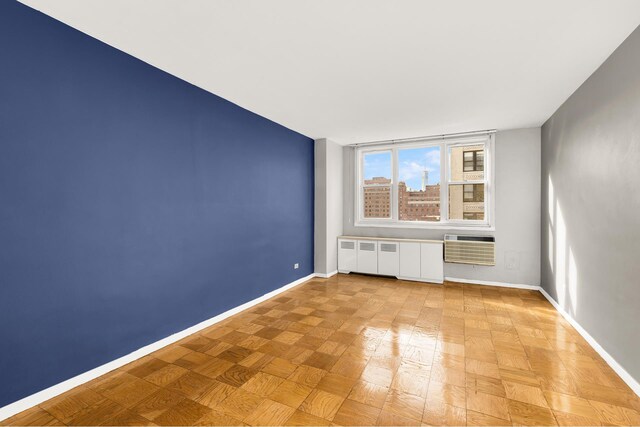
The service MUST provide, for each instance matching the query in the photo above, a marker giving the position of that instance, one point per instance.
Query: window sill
(438, 226)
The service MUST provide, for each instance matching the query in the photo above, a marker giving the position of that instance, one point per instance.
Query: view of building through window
(377, 197)
(419, 183)
(466, 182)
(377, 184)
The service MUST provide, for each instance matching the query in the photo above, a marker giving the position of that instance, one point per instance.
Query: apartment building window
(471, 216)
(473, 193)
(473, 160)
(443, 183)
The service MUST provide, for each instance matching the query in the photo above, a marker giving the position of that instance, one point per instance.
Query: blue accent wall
(132, 204)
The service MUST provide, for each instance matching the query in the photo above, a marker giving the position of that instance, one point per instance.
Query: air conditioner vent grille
(347, 245)
(469, 252)
(366, 246)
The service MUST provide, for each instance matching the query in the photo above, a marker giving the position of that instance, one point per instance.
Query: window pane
(377, 184)
(466, 201)
(466, 162)
(377, 202)
(377, 168)
(419, 184)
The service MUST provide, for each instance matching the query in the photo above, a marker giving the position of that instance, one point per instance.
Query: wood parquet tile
(360, 350)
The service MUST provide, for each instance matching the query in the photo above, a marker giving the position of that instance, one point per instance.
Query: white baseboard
(327, 275)
(626, 377)
(500, 284)
(57, 389)
(418, 279)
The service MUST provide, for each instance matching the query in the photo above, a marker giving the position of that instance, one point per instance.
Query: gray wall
(517, 214)
(328, 205)
(320, 207)
(590, 227)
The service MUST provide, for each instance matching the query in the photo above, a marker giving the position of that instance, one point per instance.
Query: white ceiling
(363, 70)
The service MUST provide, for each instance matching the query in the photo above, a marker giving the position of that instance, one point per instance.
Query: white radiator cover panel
(431, 265)
(388, 258)
(367, 257)
(410, 260)
(347, 259)
(407, 259)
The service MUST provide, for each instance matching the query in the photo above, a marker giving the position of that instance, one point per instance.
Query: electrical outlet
(296, 266)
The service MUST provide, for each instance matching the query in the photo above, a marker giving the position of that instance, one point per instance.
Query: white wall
(517, 212)
(328, 204)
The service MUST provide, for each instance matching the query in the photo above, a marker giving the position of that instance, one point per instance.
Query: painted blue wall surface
(132, 204)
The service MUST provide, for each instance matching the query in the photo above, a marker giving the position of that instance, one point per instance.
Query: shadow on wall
(562, 262)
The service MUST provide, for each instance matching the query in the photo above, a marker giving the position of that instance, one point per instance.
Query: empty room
(319, 213)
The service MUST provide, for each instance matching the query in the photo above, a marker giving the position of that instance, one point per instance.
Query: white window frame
(445, 223)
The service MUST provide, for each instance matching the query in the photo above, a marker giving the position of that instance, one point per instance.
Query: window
(419, 184)
(466, 182)
(469, 215)
(473, 160)
(376, 184)
(442, 184)
(468, 193)
(473, 193)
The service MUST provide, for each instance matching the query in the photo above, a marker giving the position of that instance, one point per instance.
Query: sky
(411, 163)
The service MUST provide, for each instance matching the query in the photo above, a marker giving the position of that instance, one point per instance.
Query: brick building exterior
(377, 200)
(413, 205)
(422, 205)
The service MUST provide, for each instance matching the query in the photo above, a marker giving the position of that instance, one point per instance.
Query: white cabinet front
(410, 260)
(406, 259)
(431, 262)
(367, 257)
(347, 256)
(388, 258)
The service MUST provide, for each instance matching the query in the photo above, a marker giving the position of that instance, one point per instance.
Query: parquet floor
(359, 350)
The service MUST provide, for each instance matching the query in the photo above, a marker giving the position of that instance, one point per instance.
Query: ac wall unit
(478, 250)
